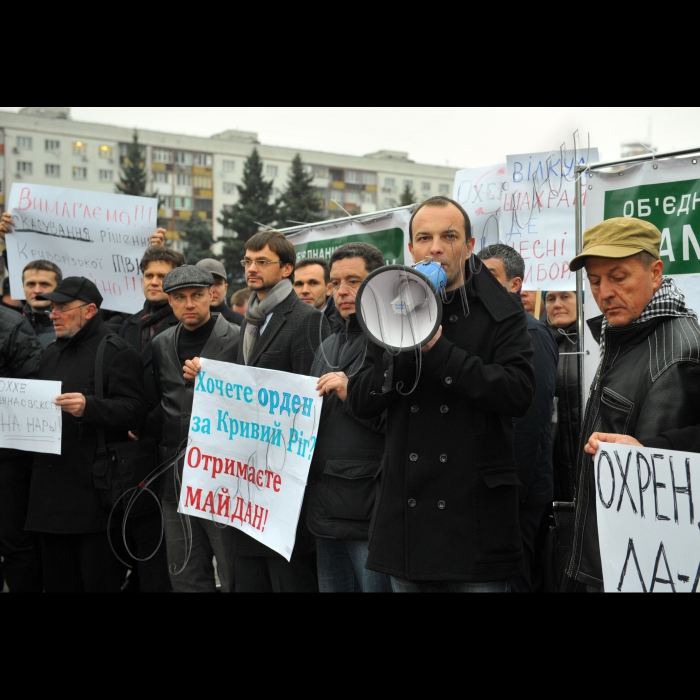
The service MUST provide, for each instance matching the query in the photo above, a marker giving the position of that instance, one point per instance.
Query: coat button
(444, 409)
(442, 505)
(412, 504)
(414, 409)
(443, 459)
(414, 457)
(448, 381)
(454, 319)
(184, 416)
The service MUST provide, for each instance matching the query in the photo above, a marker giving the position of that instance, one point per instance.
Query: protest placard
(528, 204)
(30, 421)
(87, 234)
(251, 440)
(647, 526)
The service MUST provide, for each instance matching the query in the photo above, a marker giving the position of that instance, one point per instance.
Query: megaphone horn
(399, 308)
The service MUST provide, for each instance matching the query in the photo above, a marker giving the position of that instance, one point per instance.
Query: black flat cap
(187, 276)
(73, 288)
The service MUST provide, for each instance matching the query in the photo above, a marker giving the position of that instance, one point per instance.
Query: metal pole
(643, 159)
(580, 346)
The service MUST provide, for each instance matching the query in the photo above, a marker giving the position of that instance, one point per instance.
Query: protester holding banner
(65, 507)
(447, 517)
(342, 482)
(562, 321)
(20, 355)
(648, 380)
(533, 432)
(192, 543)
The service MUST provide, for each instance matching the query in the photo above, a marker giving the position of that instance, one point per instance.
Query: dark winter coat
(648, 383)
(288, 344)
(568, 414)
(448, 502)
(533, 432)
(175, 394)
(228, 313)
(63, 499)
(347, 457)
(42, 326)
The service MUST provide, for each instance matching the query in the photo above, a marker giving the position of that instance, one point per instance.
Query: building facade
(43, 145)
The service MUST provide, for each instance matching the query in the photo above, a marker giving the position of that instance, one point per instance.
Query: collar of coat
(92, 328)
(491, 293)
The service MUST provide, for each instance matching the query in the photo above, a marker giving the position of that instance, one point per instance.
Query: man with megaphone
(446, 518)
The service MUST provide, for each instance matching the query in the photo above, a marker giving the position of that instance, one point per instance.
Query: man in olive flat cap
(648, 381)
(199, 334)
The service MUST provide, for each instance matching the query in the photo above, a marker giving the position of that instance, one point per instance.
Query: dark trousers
(21, 560)
(530, 522)
(80, 564)
(276, 575)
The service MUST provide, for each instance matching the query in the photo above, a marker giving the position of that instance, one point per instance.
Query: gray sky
(458, 136)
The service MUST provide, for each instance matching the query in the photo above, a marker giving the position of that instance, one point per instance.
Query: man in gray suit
(282, 333)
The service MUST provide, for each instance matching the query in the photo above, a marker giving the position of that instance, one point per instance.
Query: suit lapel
(279, 318)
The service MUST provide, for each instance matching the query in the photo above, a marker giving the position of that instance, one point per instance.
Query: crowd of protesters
(468, 483)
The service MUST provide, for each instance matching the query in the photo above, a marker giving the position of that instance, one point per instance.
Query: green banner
(674, 207)
(390, 242)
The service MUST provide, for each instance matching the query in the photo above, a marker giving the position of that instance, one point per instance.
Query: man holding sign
(648, 380)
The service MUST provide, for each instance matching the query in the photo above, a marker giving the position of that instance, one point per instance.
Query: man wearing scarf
(648, 380)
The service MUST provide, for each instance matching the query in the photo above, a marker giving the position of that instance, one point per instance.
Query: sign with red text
(647, 519)
(87, 234)
(252, 436)
(528, 204)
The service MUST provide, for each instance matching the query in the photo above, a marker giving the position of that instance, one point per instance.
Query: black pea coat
(62, 498)
(288, 344)
(448, 503)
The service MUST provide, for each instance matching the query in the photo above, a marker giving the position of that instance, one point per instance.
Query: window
(408, 183)
(205, 205)
(106, 175)
(229, 166)
(352, 197)
(272, 170)
(352, 176)
(320, 171)
(445, 190)
(53, 170)
(183, 180)
(52, 146)
(202, 160)
(25, 168)
(389, 182)
(106, 152)
(182, 158)
(369, 198)
(229, 188)
(79, 173)
(183, 203)
(369, 178)
(426, 187)
(167, 202)
(79, 148)
(161, 156)
(25, 143)
(202, 183)
(161, 177)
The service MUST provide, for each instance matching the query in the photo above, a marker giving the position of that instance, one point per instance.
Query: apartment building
(43, 145)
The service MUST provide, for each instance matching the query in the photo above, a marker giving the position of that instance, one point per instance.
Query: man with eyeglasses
(282, 333)
(65, 508)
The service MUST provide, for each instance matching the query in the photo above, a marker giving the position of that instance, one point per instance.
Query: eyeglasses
(62, 310)
(259, 263)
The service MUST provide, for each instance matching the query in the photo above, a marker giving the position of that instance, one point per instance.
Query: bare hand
(158, 238)
(426, 349)
(72, 403)
(592, 446)
(334, 382)
(134, 436)
(191, 369)
(6, 224)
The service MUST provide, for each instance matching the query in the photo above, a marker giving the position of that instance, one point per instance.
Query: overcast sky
(458, 136)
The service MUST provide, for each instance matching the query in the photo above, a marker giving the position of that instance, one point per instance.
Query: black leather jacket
(648, 382)
(177, 395)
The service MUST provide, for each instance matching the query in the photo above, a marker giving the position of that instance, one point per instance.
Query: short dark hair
(240, 297)
(443, 202)
(162, 254)
(307, 262)
(279, 244)
(513, 262)
(46, 266)
(370, 254)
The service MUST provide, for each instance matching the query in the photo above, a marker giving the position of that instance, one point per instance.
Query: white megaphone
(399, 308)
